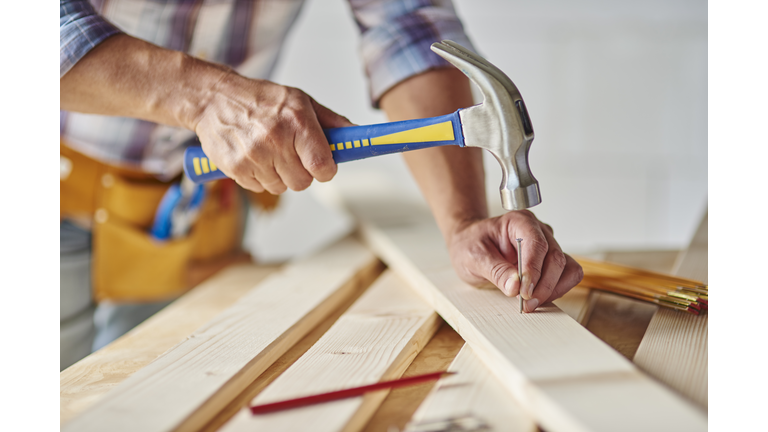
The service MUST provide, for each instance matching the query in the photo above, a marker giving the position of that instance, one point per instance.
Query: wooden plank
(675, 348)
(375, 340)
(566, 378)
(619, 321)
(185, 387)
(88, 380)
(278, 367)
(576, 303)
(473, 392)
(400, 404)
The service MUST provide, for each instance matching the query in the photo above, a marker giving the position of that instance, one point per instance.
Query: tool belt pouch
(129, 265)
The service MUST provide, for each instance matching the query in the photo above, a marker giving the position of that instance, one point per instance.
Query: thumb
(328, 118)
(497, 270)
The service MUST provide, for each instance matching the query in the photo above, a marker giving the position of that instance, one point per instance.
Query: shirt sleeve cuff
(400, 47)
(80, 30)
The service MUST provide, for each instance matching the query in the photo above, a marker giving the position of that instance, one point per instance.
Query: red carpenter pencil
(346, 393)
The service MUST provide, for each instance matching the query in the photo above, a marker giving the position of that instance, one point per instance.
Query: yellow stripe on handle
(437, 132)
(204, 163)
(196, 163)
(213, 167)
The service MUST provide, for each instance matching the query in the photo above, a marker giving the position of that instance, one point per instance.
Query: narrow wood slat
(87, 381)
(400, 404)
(566, 378)
(375, 340)
(619, 321)
(189, 384)
(675, 346)
(279, 366)
(474, 392)
(576, 303)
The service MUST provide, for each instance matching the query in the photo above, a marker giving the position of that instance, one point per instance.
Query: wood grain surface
(675, 346)
(280, 365)
(185, 387)
(563, 376)
(374, 340)
(473, 392)
(619, 321)
(576, 303)
(88, 380)
(401, 403)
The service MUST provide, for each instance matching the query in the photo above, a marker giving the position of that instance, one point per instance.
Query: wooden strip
(675, 348)
(279, 366)
(400, 404)
(619, 321)
(566, 378)
(88, 380)
(184, 388)
(474, 392)
(375, 340)
(576, 303)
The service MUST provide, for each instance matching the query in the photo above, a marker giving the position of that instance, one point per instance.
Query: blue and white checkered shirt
(244, 34)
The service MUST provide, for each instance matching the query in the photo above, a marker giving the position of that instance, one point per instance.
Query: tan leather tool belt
(128, 264)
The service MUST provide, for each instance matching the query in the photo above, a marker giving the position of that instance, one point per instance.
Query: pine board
(576, 303)
(374, 340)
(88, 380)
(185, 387)
(400, 404)
(279, 366)
(474, 392)
(563, 376)
(621, 321)
(675, 346)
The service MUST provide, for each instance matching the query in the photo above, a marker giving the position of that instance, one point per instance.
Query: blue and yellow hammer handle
(357, 142)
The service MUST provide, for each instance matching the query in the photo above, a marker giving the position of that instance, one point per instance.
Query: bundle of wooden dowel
(664, 290)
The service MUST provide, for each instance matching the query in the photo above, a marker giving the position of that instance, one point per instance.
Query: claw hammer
(500, 124)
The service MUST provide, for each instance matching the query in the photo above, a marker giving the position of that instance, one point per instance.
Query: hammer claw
(500, 124)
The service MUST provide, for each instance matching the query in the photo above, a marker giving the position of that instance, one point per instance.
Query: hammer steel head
(500, 125)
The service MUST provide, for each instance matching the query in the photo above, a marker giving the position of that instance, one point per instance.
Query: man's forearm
(128, 77)
(451, 178)
(263, 135)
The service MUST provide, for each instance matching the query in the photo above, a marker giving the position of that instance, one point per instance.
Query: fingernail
(530, 305)
(526, 293)
(508, 286)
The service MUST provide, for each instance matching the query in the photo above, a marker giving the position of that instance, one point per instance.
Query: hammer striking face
(500, 125)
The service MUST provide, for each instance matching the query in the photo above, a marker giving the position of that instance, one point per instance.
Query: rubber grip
(198, 167)
(361, 142)
(358, 142)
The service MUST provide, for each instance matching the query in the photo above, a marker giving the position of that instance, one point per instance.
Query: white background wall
(616, 90)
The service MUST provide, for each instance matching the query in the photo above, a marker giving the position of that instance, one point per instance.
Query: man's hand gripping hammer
(500, 124)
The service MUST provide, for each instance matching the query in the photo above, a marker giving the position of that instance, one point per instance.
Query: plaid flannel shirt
(244, 34)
